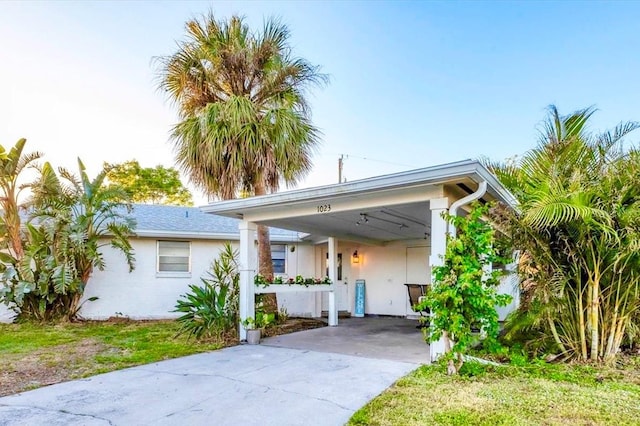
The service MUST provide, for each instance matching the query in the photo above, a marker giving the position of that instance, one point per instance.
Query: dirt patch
(46, 366)
(292, 325)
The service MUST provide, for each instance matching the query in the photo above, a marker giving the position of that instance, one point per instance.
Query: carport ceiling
(372, 225)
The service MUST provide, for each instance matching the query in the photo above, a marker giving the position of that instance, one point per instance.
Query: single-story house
(386, 230)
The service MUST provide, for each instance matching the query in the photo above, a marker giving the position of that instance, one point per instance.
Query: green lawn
(527, 395)
(36, 355)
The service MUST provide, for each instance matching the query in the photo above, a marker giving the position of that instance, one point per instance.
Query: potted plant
(254, 326)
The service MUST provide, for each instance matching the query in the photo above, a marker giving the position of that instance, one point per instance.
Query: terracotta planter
(253, 336)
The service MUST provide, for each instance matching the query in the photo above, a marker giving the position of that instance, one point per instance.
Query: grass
(34, 355)
(532, 394)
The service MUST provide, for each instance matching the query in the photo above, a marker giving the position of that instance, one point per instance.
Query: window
(339, 277)
(174, 256)
(278, 258)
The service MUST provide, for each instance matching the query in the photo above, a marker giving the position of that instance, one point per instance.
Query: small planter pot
(253, 336)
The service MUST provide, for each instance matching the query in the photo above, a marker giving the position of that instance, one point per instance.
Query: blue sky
(413, 84)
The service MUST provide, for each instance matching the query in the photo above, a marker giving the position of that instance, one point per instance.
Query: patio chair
(417, 294)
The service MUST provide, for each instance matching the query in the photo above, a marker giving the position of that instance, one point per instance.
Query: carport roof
(403, 199)
(430, 175)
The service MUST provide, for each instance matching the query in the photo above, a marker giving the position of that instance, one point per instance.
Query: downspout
(453, 210)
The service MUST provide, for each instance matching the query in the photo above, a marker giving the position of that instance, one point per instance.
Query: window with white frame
(278, 258)
(174, 256)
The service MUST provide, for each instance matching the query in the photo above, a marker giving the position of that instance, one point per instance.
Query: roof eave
(431, 175)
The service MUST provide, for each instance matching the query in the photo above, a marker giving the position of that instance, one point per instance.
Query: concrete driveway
(242, 385)
(395, 339)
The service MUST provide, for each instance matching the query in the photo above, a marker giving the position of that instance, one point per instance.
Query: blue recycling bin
(360, 294)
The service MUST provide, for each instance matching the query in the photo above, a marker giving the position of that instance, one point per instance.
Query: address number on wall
(324, 208)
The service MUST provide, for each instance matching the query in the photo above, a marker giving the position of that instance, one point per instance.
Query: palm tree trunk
(265, 263)
(581, 325)
(554, 332)
(621, 326)
(594, 308)
(12, 223)
(609, 351)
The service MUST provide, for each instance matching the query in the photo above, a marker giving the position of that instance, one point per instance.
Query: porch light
(355, 258)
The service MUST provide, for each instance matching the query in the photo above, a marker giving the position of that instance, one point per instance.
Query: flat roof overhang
(372, 211)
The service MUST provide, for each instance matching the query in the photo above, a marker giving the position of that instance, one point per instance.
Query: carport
(376, 212)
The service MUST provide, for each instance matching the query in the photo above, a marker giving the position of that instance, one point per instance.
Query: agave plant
(211, 309)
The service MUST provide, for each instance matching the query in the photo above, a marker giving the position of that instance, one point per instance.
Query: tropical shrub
(578, 228)
(71, 219)
(463, 296)
(211, 309)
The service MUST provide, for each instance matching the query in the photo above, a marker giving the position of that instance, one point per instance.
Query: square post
(333, 276)
(438, 249)
(248, 269)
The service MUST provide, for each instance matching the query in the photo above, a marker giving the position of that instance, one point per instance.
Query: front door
(342, 284)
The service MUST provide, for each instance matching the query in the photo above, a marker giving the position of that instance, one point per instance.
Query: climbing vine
(464, 297)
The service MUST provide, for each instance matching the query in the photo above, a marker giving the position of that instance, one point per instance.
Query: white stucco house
(393, 223)
(386, 230)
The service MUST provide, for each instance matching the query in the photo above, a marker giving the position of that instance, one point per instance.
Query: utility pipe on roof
(453, 210)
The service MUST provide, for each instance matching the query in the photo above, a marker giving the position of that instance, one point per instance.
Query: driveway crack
(266, 387)
(269, 388)
(53, 410)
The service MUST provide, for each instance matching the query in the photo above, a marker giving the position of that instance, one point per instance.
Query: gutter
(453, 210)
(193, 235)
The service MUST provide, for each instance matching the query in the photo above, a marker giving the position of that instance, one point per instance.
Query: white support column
(333, 276)
(248, 270)
(438, 249)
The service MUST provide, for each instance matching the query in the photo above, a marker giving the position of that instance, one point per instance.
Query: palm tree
(245, 120)
(12, 164)
(577, 226)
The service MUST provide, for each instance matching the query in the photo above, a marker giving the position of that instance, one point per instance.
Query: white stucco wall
(509, 284)
(144, 293)
(384, 270)
(147, 294)
(6, 314)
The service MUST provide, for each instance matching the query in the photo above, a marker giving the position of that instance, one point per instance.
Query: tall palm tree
(12, 164)
(245, 120)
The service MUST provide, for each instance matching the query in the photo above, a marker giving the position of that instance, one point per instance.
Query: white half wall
(299, 262)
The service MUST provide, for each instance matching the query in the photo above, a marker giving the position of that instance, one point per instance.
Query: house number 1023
(324, 208)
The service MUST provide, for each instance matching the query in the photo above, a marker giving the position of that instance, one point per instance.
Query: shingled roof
(153, 220)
